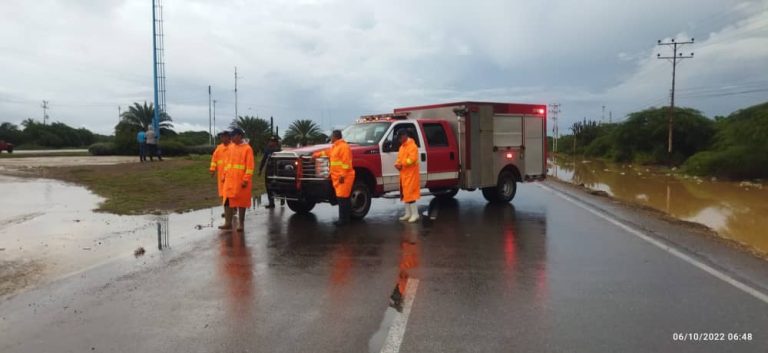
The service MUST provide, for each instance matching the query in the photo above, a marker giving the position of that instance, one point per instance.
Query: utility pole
(675, 58)
(210, 123)
(235, 92)
(214, 116)
(554, 110)
(272, 126)
(610, 117)
(45, 111)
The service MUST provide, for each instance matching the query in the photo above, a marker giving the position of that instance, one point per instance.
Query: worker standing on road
(272, 146)
(152, 147)
(218, 161)
(342, 174)
(237, 179)
(141, 138)
(408, 165)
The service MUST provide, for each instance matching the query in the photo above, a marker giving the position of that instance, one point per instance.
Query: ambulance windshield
(365, 133)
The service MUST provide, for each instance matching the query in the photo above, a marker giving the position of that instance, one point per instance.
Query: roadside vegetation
(733, 147)
(32, 135)
(304, 132)
(175, 185)
(138, 117)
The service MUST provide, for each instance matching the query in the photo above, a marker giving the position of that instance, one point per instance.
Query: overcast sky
(332, 61)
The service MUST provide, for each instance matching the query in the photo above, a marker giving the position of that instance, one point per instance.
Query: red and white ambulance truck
(462, 146)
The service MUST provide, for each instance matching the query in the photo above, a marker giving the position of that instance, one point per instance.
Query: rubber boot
(407, 214)
(414, 213)
(228, 213)
(345, 207)
(271, 201)
(241, 219)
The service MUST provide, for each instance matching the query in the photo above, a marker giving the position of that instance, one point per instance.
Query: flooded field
(738, 211)
(48, 230)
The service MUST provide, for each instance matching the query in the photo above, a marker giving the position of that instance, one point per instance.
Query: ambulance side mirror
(387, 146)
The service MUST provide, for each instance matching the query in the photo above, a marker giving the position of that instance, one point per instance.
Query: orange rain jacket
(341, 165)
(218, 161)
(239, 169)
(408, 158)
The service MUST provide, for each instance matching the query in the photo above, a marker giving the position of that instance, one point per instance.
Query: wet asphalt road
(540, 275)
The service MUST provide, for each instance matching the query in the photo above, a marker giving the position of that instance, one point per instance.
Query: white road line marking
(397, 330)
(679, 254)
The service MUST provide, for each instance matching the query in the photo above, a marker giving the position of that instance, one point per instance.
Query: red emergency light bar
(383, 117)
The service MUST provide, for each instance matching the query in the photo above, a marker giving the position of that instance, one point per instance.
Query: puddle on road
(51, 225)
(737, 211)
(409, 261)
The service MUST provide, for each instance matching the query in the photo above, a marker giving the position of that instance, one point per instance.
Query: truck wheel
(10, 149)
(504, 191)
(444, 193)
(360, 199)
(301, 206)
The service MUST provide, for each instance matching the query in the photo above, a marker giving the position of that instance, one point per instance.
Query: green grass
(176, 185)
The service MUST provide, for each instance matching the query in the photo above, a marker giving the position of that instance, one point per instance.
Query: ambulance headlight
(322, 167)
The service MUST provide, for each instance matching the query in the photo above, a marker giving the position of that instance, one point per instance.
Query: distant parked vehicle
(6, 146)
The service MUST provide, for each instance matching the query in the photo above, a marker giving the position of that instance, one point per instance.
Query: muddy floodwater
(48, 230)
(735, 210)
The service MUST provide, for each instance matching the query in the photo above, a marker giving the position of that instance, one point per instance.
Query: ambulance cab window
(392, 138)
(435, 134)
(401, 127)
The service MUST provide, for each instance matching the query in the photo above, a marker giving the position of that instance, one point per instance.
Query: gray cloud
(334, 60)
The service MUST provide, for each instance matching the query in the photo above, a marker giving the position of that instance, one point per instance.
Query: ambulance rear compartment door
(533, 137)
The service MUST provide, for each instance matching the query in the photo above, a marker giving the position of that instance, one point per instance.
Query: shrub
(102, 149)
(643, 136)
(732, 163)
(203, 149)
(172, 148)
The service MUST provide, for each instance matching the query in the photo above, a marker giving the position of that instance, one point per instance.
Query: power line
(725, 93)
(675, 58)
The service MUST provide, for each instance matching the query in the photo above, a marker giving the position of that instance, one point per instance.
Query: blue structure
(158, 65)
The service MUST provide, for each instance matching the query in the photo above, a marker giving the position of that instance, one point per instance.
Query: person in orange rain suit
(408, 165)
(237, 179)
(342, 174)
(218, 161)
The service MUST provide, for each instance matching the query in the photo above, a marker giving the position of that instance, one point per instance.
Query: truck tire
(301, 206)
(10, 149)
(444, 193)
(504, 191)
(360, 198)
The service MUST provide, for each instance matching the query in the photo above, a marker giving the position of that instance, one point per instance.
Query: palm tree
(139, 117)
(304, 132)
(256, 130)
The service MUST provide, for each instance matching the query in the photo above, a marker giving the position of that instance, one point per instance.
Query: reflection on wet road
(536, 275)
(738, 211)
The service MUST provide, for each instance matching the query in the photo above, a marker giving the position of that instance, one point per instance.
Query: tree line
(138, 117)
(733, 146)
(33, 134)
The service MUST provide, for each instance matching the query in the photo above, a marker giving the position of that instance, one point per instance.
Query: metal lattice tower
(159, 63)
